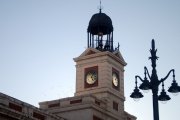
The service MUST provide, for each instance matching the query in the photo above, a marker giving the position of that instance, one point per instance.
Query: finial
(153, 44)
(100, 7)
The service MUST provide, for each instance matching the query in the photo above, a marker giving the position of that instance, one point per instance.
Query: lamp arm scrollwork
(163, 79)
(145, 68)
(137, 76)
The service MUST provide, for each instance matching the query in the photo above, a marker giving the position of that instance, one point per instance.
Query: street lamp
(153, 84)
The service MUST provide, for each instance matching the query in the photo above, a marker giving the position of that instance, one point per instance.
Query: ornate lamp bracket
(146, 71)
(163, 79)
(137, 76)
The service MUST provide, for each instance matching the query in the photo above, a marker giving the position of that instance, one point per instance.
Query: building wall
(12, 109)
(85, 107)
(6, 117)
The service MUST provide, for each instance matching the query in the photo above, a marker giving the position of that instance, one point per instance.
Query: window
(97, 102)
(96, 118)
(38, 116)
(53, 105)
(115, 105)
(15, 107)
(76, 101)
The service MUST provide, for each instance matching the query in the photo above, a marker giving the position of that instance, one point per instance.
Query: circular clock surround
(91, 77)
(115, 79)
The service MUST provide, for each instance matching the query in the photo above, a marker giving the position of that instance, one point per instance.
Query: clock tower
(100, 68)
(99, 91)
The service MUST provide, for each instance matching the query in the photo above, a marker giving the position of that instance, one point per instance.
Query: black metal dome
(100, 32)
(100, 22)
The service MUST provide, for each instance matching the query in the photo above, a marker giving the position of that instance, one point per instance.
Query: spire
(100, 7)
(153, 44)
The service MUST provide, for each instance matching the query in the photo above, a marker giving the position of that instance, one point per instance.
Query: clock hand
(92, 77)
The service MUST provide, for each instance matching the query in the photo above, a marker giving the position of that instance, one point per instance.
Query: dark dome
(100, 22)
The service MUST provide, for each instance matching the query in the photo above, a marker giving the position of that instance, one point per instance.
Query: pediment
(119, 55)
(95, 53)
(89, 51)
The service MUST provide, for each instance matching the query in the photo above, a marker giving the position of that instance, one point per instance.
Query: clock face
(115, 79)
(91, 77)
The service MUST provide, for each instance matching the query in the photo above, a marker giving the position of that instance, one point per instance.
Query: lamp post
(153, 84)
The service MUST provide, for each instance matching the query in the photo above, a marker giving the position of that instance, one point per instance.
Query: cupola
(100, 32)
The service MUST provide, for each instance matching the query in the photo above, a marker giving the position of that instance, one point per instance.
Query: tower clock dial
(91, 77)
(115, 79)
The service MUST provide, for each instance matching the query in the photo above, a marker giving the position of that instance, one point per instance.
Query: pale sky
(40, 38)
